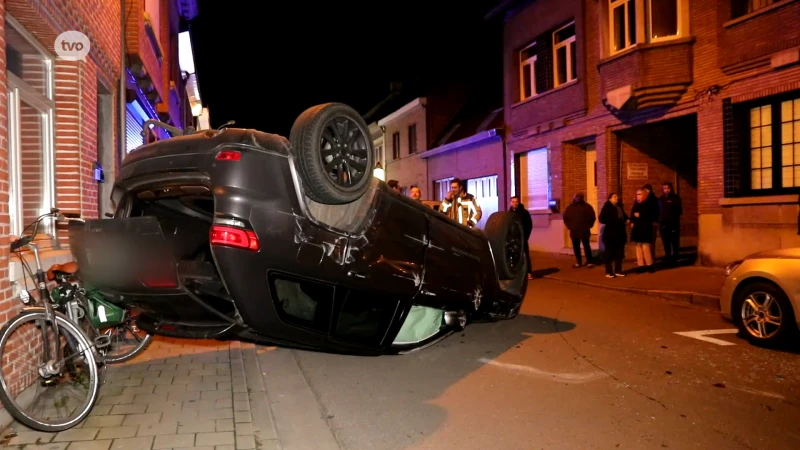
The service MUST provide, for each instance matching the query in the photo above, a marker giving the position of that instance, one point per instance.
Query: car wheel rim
(344, 152)
(761, 315)
(514, 246)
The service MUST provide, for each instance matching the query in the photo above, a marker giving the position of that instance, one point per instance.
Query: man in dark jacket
(670, 222)
(579, 218)
(527, 227)
(651, 208)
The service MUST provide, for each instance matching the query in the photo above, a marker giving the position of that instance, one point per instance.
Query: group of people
(460, 205)
(649, 216)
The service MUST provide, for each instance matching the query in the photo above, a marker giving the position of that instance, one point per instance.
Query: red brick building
(606, 95)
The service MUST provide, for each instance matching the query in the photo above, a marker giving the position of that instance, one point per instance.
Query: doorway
(591, 185)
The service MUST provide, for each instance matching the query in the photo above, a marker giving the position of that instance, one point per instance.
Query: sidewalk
(693, 284)
(195, 394)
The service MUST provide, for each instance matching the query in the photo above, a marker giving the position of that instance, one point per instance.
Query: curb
(694, 298)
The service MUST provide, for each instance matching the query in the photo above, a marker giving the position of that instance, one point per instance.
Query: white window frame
(531, 61)
(21, 91)
(612, 5)
(679, 23)
(571, 75)
(437, 184)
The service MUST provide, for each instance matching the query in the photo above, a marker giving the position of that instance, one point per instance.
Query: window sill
(546, 93)
(765, 200)
(759, 12)
(48, 257)
(665, 42)
(540, 212)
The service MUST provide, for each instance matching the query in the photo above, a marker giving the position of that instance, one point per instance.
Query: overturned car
(235, 233)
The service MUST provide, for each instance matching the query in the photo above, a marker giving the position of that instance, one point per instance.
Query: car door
(454, 272)
(384, 269)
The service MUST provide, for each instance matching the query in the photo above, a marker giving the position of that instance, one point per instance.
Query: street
(580, 368)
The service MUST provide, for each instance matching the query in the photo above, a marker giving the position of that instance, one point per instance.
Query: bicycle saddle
(62, 270)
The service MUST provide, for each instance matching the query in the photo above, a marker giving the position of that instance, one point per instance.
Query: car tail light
(234, 237)
(229, 155)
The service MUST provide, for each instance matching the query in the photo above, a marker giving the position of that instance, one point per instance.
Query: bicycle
(88, 306)
(71, 362)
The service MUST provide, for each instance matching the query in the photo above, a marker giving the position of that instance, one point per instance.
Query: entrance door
(591, 183)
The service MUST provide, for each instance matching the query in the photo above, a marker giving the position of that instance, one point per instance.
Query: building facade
(604, 96)
(405, 134)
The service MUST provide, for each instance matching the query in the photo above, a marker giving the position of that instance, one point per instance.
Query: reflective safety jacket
(467, 211)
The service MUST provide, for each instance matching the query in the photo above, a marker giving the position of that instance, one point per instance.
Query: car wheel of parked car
(504, 232)
(763, 313)
(333, 148)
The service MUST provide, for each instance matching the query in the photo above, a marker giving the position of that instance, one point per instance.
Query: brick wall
(75, 127)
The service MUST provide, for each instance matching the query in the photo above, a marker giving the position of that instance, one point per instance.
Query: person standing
(527, 227)
(653, 210)
(615, 235)
(461, 206)
(415, 193)
(579, 218)
(642, 220)
(670, 222)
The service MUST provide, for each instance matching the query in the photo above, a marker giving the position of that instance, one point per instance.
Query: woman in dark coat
(643, 218)
(615, 235)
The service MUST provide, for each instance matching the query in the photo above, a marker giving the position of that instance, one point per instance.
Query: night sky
(263, 65)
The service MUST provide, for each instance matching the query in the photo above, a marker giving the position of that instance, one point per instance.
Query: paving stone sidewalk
(178, 394)
(694, 284)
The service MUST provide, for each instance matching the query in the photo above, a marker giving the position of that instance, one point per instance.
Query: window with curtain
(534, 179)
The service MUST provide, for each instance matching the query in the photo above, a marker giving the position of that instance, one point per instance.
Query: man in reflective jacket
(460, 206)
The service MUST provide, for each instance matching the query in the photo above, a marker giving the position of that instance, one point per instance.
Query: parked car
(761, 295)
(240, 233)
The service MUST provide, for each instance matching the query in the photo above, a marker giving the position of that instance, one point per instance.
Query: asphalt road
(580, 368)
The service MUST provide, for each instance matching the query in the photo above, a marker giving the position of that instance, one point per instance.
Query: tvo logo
(72, 46)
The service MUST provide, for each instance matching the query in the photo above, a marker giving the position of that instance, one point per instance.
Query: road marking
(703, 335)
(560, 377)
(763, 393)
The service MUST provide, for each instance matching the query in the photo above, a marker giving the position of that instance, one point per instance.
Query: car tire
(504, 231)
(775, 335)
(333, 152)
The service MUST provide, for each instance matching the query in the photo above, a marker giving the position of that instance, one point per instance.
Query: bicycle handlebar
(25, 240)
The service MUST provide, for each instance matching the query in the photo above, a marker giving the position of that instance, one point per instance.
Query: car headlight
(731, 267)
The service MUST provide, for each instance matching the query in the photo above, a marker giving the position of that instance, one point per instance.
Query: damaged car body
(237, 233)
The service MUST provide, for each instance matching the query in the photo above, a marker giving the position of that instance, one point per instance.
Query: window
(31, 114)
(534, 179)
(396, 145)
(761, 147)
(412, 139)
(770, 137)
(304, 304)
(379, 154)
(527, 72)
(660, 20)
(485, 191)
(365, 317)
(663, 19)
(622, 14)
(743, 7)
(441, 188)
(790, 143)
(564, 50)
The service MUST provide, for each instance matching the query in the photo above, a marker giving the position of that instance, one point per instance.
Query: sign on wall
(637, 171)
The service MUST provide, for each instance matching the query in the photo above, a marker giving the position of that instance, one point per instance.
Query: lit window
(527, 72)
(565, 58)
(663, 15)
(534, 179)
(790, 142)
(622, 15)
(761, 147)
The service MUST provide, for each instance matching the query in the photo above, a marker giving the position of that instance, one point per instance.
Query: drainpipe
(122, 88)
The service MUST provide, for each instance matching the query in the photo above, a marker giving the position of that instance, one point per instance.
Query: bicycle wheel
(57, 407)
(127, 341)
